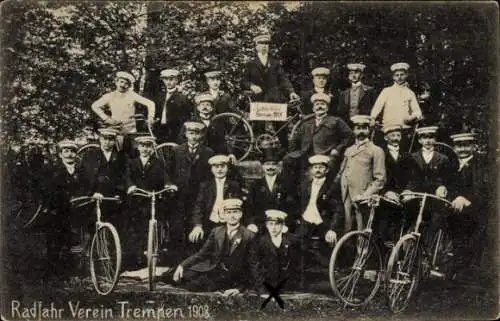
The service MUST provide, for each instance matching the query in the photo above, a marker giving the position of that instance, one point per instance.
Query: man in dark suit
(320, 79)
(223, 102)
(319, 210)
(359, 98)
(188, 167)
(268, 192)
(224, 260)
(265, 77)
(103, 171)
(468, 191)
(207, 208)
(275, 254)
(323, 134)
(146, 172)
(173, 108)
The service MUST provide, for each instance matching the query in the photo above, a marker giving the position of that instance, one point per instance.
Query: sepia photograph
(253, 160)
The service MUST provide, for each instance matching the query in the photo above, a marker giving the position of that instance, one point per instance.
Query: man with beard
(323, 134)
(268, 192)
(121, 104)
(357, 100)
(173, 108)
(362, 172)
(468, 191)
(207, 208)
(320, 79)
(224, 260)
(222, 100)
(398, 104)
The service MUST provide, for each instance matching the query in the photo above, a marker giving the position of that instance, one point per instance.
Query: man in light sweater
(398, 104)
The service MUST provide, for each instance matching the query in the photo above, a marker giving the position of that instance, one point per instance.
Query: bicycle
(239, 134)
(153, 238)
(355, 277)
(105, 249)
(410, 261)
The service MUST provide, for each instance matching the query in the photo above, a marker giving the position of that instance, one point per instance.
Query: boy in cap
(398, 104)
(146, 172)
(275, 254)
(468, 192)
(187, 166)
(173, 108)
(323, 134)
(359, 98)
(320, 80)
(121, 105)
(362, 172)
(224, 260)
(270, 191)
(265, 77)
(319, 207)
(207, 208)
(222, 100)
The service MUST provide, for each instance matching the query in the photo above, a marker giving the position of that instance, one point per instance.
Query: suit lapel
(361, 93)
(237, 238)
(270, 244)
(359, 150)
(420, 159)
(220, 237)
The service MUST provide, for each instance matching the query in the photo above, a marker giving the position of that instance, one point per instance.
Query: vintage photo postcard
(220, 160)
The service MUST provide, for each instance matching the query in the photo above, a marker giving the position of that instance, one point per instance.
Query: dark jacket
(223, 103)
(214, 136)
(472, 183)
(397, 171)
(426, 178)
(275, 85)
(367, 97)
(179, 109)
(152, 176)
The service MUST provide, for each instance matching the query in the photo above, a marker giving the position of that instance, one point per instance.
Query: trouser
(213, 280)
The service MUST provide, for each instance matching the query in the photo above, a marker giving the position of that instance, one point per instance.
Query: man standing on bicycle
(223, 102)
(117, 108)
(359, 98)
(362, 172)
(173, 108)
(320, 79)
(468, 191)
(398, 104)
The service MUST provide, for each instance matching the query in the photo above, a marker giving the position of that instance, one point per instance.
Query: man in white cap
(319, 208)
(120, 104)
(275, 254)
(187, 166)
(265, 77)
(320, 79)
(359, 98)
(469, 192)
(207, 208)
(362, 172)
(146, 172)
(323, 134)
(223, 263)
(223, 102)
(173, 108)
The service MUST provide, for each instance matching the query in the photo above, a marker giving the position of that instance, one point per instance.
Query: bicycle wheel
(297, 125)
(403, 272)
(440, 260)
(152, 253)
(237, 132)
(105, 259)
(86, 149)
(164, 149)
(355, 268)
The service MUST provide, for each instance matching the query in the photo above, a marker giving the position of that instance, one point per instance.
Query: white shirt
(396, 102)
(356, 84)
(219, 198)
(192, 148)
(206, 122)
(231, 231)
(70, 168)
(318, 120)
(164, 111)
(144, 160)
(107, 155)
(394, 151)
(215, 93)
(311, 214)
(270, 181)
(277, 240)
(464, 161)
(427, 155)
(319, 90)
(263, 59)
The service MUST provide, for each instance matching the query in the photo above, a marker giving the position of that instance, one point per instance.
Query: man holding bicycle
(117, 108)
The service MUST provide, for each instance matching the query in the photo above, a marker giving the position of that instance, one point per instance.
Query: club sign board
(268, 111)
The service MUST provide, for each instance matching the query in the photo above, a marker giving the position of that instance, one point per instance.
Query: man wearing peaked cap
(173, 108)
(362, 172)
(122, 105)
(398, 104)
(275, 254)
(222, 263)
(320, 97)
(358, 99)
(204, 97)
(270, 191)
(222, 100)
(320, 85)
(470, 185)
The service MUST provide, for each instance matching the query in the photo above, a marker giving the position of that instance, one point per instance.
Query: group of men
(223, 235)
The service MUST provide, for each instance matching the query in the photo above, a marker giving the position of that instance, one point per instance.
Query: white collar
(464, 161)
(215, 93)
(320, 118)
(144, 160)
(393, 148)
(319, 90)
(362, 142)
(231, 229)
(318, 180)
(405, 85)
(356, 85)
(193, 146)
(222, 180)
(427, 151)
(170, 91)
(277, 239)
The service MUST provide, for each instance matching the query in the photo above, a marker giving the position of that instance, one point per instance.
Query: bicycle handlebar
(144, 193)
(91, 199)
(413, 195)
(376, 198)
